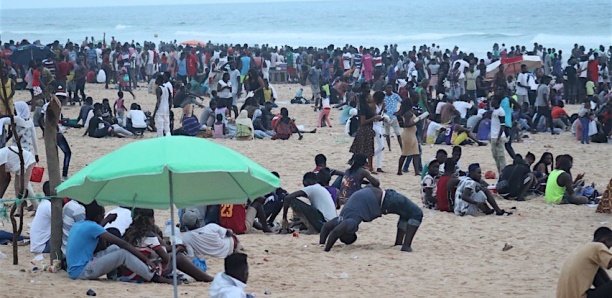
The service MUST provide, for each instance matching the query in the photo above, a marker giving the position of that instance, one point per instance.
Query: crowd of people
(423, 96)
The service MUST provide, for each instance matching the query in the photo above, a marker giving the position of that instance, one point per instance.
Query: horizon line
(210, 2)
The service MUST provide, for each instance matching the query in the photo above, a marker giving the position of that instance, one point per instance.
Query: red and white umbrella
(512, 65)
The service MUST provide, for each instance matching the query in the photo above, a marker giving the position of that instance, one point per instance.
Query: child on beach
(124, 82)
(120, 109)
(219, 128)
(299, 98)
(325, 109)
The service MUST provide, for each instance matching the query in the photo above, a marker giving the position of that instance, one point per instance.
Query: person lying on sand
(366, 205)
(209, 240)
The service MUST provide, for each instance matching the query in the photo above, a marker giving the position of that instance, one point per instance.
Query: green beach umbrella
(189, 171)
(163, 172)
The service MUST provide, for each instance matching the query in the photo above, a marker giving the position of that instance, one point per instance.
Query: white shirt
(325, 103)
(164, 103)
(346, 60)
(432, 129)
(10, 159)
(273, 59)
(234, 77)
(123, 221)
(583, 69)
(40, 230)
(211, 240)
(496, 123)
(439, 107)
(225, 93)
(522, 78)
(170, 87)
(72, 212)
(150, 57)
(90, 115)
(138, 118)
(462, 107)
(321, 200)
(225, 286)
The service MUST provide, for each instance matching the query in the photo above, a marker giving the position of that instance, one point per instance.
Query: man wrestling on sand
(366, 205)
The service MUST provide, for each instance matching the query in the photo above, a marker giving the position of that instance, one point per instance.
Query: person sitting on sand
(366, 205)
(209, 240)
(84, 110)
(446, 187)
(85, 236)
(147, 237)
(190, 124)
(207, 117)
(136, 119)
(284, 126)
(40, 229)
(244, 127)
(559, 185)
(72, 212)
(584, 272)
(516, 180)
(320, 210)
(441, 157)
(321, 163)
(97, 127)
(354, 177)
(274, 203)
(260, 130)
(231, 283)
(471, 197)
(429, 185)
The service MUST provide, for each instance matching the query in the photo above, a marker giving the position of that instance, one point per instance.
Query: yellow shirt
(580, 268)
(590, 88)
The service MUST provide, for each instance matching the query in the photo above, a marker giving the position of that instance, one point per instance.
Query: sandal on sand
(503, 212)
(285, 231)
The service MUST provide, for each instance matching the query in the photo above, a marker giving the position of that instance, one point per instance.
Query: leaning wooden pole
(16, 228)
(52, 116)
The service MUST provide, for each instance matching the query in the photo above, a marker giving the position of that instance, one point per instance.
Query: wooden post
(52, 116)
(16, 228)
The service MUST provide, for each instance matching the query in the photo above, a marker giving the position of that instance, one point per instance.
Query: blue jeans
(409, 159)
(6, 237)
(62, 143)
(584, 121)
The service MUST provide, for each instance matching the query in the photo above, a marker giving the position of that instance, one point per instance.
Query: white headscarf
(243, 119)
(22, 111)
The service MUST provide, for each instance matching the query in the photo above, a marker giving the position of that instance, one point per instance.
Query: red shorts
(291, 70)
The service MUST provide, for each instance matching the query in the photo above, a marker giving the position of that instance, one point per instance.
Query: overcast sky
(12, 4)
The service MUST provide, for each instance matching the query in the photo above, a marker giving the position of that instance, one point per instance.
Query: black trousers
(543, 111)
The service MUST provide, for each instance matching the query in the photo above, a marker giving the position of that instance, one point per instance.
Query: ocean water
(473, 25)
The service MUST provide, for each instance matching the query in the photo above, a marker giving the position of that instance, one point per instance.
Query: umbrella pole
(173, 239)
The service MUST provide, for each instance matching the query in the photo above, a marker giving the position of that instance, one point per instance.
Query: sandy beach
(453, 256)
